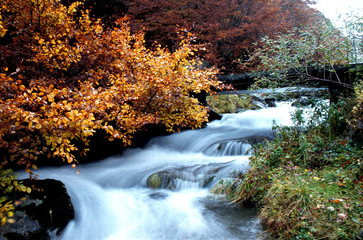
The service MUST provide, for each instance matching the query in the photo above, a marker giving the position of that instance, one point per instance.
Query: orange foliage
(64, 77)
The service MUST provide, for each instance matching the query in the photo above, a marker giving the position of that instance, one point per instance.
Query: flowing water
(112, 200)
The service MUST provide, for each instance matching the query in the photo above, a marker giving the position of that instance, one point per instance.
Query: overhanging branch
(309, 78)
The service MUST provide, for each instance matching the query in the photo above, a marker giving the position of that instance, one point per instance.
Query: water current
(112, 200)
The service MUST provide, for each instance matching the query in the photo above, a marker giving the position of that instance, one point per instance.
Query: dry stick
(336, 74)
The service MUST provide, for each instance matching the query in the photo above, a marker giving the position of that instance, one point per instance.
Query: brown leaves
(229, 29)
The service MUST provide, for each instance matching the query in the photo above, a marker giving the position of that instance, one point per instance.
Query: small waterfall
(112, 199)
(229, 148)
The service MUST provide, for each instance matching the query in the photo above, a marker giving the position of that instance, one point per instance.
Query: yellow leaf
(69, 159)
(3, 221)
(38, 126)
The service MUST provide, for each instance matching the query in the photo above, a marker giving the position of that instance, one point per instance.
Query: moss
(230, 103)
(154, 181)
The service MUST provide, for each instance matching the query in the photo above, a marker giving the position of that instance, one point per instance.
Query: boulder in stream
(200, 175)
(171, 179)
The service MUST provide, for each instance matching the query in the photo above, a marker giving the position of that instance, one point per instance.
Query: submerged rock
(45, 211)
(158, 195)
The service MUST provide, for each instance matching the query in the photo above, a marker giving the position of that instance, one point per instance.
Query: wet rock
(212, 115)
(271, 102)
(156, 181)
(228, 148)
(258, 101)
(301, 102)
(197, 175)
(234, 147)
(165, 180)
(40, 213)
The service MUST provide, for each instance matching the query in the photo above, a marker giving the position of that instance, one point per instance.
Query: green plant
(297, 56)
(8, 184)
(307, 181)
(356, 120)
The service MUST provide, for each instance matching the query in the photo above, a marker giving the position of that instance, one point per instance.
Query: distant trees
(229, 29)
(309, 56)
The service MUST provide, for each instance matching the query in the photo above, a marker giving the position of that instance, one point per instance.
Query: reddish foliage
(228, 28)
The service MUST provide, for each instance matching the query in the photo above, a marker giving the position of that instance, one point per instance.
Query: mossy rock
(232, 103)
(154, 181)
(168, 179)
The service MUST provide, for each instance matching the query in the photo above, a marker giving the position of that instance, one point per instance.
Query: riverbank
(308, 180)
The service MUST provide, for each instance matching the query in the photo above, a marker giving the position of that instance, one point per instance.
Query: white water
(112, 201)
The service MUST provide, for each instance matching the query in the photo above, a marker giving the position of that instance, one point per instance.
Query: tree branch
(312, 78)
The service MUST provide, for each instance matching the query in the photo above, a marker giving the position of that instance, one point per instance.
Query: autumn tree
(64, 76)
(106, 10)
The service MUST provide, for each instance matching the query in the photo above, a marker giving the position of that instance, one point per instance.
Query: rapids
(112, 200)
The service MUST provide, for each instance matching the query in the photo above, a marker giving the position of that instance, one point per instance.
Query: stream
(112, 199)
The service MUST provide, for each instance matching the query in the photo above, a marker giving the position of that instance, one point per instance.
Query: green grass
(307, 204)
